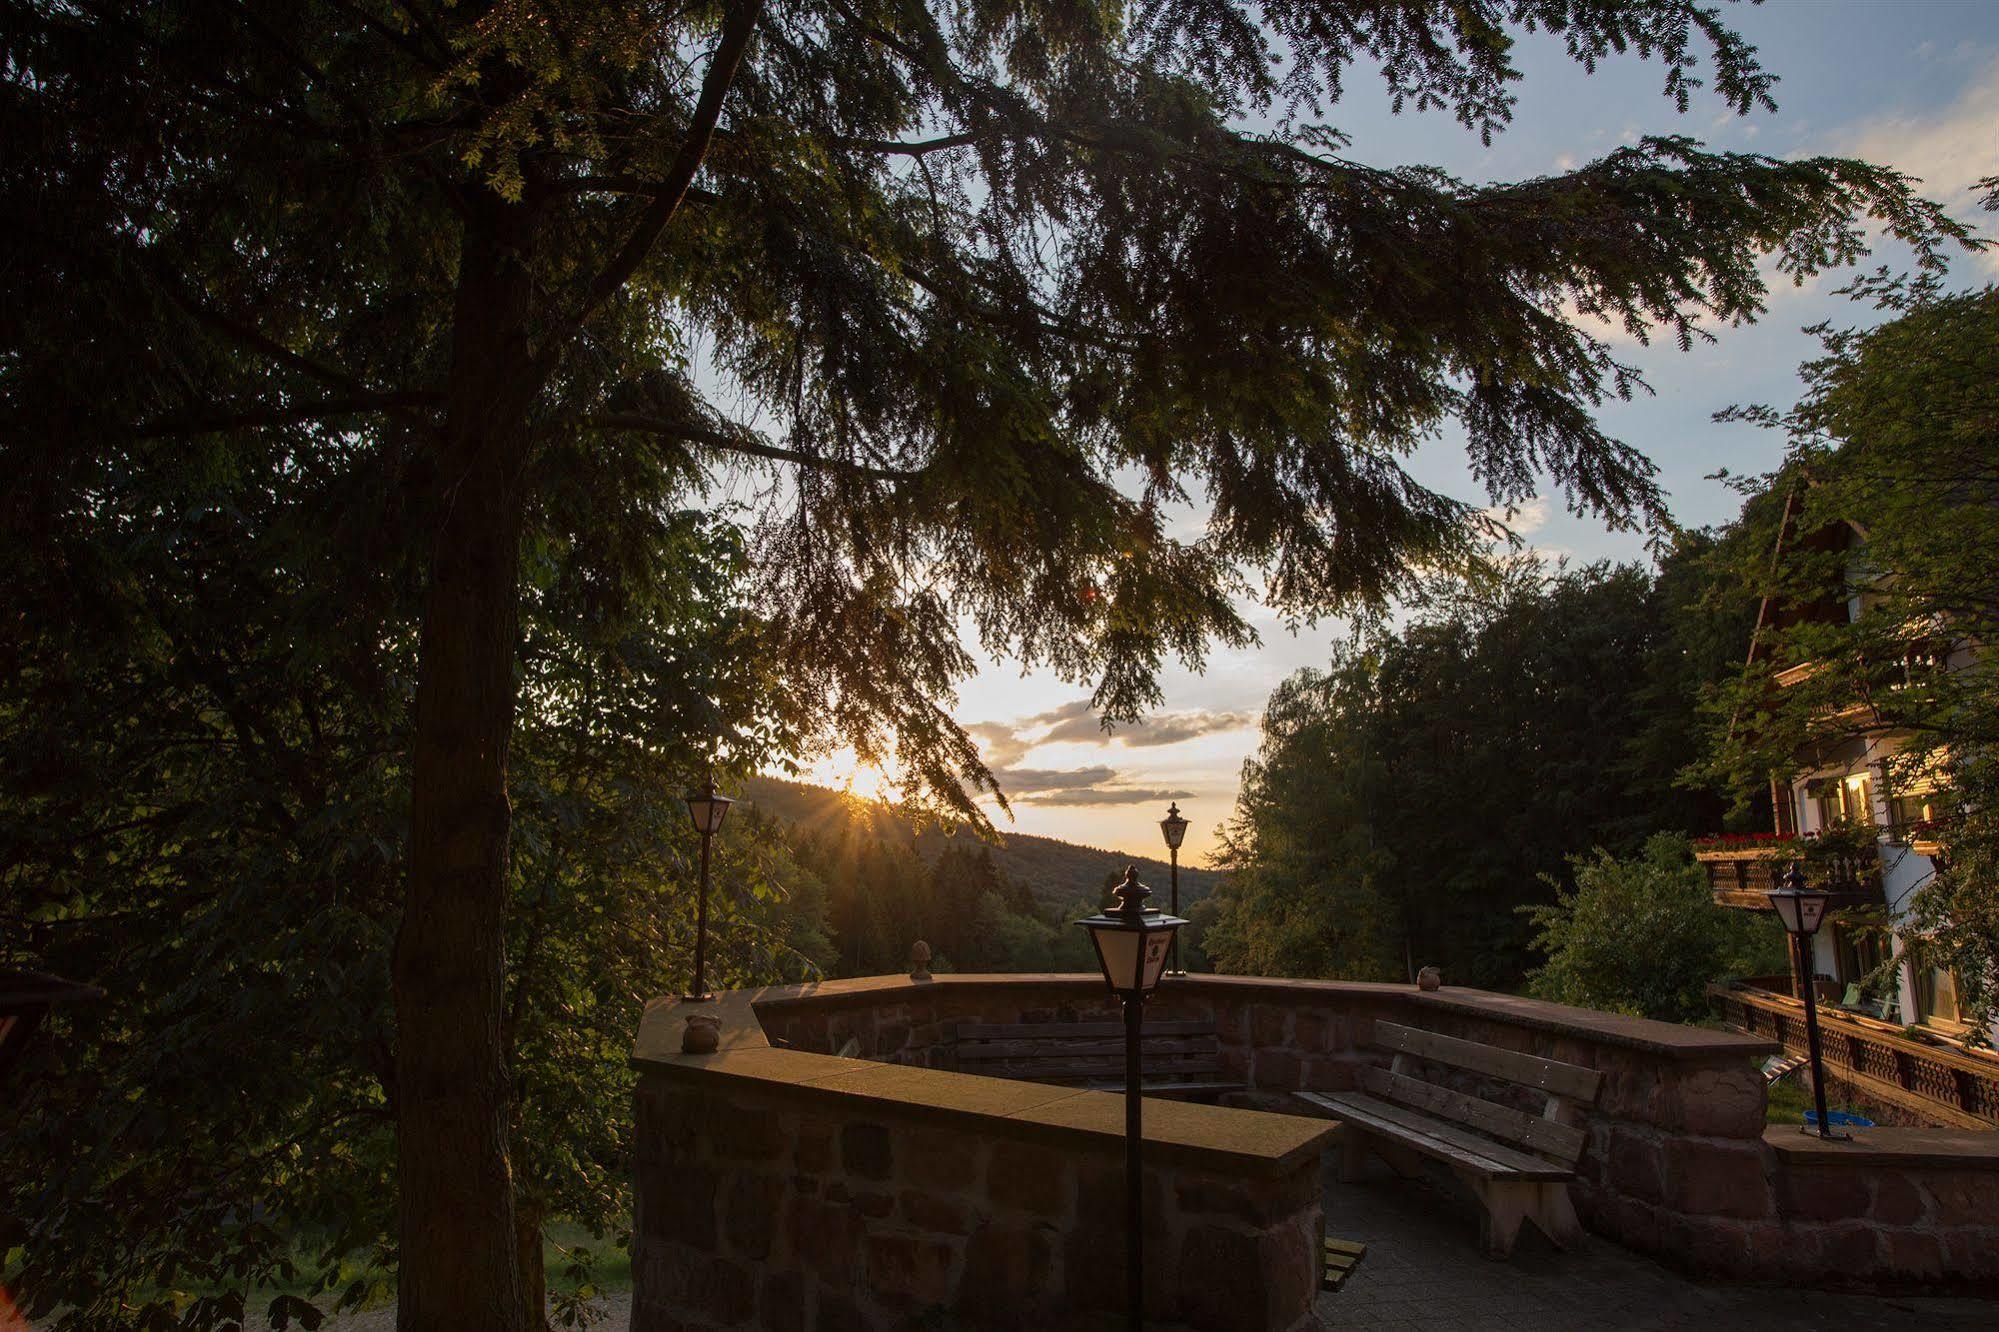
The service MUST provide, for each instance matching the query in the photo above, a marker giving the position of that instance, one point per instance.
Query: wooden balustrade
(1742, 876)
(1953, 1087)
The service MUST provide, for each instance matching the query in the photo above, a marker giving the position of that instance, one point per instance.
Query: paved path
(1423, 1271)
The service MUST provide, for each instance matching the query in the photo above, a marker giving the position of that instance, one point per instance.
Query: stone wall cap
(1214, 1137)
(1669, 1039)
(736, 1011)
(1947, 1148)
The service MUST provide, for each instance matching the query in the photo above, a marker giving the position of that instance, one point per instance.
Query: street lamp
(1132, 941)
(1175, 829)
(1802, 909)
(707, 809)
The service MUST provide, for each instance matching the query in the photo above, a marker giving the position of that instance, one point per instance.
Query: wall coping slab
(1910, 1148)
(1251, 1142)
(1666, 1039)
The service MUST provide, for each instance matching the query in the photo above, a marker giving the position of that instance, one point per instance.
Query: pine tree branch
(743, 443)
(255, 339)
(673, 187)
(293, 414)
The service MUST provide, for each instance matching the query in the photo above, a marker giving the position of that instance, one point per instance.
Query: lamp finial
(1131, 894)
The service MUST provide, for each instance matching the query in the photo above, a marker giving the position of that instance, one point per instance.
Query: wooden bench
(1518, 1164)
(1178, 1058)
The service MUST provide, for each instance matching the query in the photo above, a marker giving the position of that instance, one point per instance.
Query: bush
(1644, 936)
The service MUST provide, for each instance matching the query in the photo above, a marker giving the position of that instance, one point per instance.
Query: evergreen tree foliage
(962, 298)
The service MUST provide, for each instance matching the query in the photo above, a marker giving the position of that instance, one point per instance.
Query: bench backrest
(1081, 1051)
(1545, 1134)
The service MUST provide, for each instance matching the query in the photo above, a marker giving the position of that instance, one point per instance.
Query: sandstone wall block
(1715, 1177)
(866, 1150)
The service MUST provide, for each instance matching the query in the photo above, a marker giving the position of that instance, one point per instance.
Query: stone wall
(1916, 1209)
(768, 1206)
(1678, 1163)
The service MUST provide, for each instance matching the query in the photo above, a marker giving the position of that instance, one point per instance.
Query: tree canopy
(1409, 798)
(924, 316)
(1642, 935)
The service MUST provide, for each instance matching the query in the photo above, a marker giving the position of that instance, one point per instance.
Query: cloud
(1077, 723)
(1172, 727)
(999, 744)
(1104, 795)
(1525, 518)
(1044, 779)
(1094, 785)
(1948, 149)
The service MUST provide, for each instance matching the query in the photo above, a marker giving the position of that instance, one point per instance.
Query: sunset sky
(1911, 83)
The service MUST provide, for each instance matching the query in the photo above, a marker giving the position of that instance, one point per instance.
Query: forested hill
(1057, 873)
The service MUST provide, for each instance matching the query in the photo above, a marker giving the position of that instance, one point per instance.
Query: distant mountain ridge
(1058, 873)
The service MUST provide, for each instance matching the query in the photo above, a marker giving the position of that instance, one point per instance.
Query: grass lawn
(1790, 1099)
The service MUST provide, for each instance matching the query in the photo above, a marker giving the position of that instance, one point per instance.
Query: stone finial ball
(1429, 978)
(919, 960)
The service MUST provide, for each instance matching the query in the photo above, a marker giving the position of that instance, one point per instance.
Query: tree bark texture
(460, 1250)
(534, 1273)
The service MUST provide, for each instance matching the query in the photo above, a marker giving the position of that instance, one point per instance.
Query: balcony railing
(1741, 874)
(1950, 1086)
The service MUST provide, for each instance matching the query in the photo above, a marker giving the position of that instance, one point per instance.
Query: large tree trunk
(459, 1246)
(534, 1273)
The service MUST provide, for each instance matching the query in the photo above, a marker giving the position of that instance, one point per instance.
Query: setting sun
(842, 770)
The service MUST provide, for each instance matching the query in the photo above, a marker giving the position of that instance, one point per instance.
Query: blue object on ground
(1838, 1119)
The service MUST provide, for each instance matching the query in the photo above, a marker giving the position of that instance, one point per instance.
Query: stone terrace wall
(1910, 1207)
(1678, 1162)
(768, 1206)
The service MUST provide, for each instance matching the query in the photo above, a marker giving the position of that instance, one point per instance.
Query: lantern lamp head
(708, 809)
(1173, 826)
(1132, 940)
(1801, 909)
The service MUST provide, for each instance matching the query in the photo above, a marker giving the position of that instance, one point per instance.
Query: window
(1862, 947)
(1907, 809)
(1936, 997)
(1848, 800)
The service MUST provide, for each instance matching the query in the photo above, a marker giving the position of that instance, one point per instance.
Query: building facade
(1863, 823)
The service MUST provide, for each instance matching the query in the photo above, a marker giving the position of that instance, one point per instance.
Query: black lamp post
(1132, 941)
(707, 809)
(1802, 909)
(1175, 829)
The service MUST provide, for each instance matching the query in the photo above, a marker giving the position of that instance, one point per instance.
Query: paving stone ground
(1423, 1273)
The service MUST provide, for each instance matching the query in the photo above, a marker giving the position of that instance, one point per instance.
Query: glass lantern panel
(708, 812)
(1118, 950)
(1158, 945)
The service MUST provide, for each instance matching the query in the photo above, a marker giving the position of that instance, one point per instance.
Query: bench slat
(1073, 1031)
(1162, 1045)
(1550, 1075)
(1546, 1136)
(1435, 1137)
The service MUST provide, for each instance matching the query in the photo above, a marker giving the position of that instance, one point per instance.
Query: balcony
(1742, 871)
(1940, 1084)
